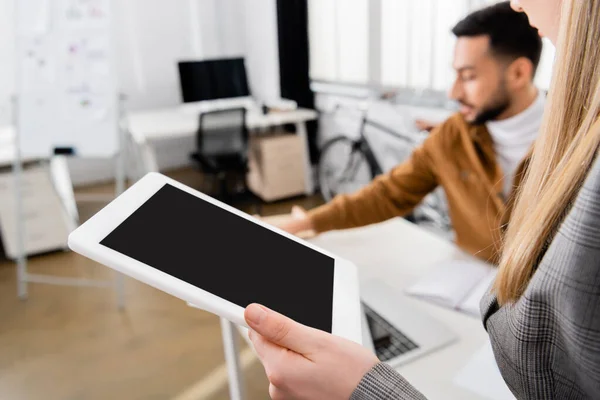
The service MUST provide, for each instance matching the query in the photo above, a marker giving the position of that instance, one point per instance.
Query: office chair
(222, 152)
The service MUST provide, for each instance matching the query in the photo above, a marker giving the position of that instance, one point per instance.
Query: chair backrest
(223, 132)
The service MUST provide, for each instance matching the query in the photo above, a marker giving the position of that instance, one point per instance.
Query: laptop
(397, 331)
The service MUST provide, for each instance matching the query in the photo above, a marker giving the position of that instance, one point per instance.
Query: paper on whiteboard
(87, 83)
(87, 106)
(86, 14)
(87, 61)
(38, 68)
(482, 376)
(32, 17)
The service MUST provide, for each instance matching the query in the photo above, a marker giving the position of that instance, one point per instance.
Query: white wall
(262, 48)
(221, 24)
(152, 35)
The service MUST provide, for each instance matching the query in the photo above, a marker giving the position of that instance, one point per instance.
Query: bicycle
(346, 165)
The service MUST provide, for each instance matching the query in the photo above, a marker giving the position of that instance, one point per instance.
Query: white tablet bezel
(86, 241)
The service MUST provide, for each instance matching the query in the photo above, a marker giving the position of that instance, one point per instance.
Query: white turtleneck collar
(514, 136)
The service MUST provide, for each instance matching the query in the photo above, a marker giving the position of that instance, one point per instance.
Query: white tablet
(193, 247)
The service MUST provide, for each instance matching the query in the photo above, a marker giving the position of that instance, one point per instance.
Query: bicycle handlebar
(363, 109)
(389, 131)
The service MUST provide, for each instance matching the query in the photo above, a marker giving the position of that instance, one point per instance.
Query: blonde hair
(564, 152)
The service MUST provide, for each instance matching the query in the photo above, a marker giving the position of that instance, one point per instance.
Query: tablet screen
(231, 257)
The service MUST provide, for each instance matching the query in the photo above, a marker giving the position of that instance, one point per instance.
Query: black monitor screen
(213, 79)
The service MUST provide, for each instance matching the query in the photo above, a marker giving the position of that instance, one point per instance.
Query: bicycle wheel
(343, 168)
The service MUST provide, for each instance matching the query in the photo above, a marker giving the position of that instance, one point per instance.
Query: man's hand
(425, 125)
(298, 222)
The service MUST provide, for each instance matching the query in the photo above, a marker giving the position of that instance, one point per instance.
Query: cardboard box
(276, 166)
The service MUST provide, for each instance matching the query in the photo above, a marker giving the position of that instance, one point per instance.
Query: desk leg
(308, 175)
(230, 344)
(145, 155)
(149, 158)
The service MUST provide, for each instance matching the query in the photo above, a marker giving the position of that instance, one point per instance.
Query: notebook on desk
(458, 284)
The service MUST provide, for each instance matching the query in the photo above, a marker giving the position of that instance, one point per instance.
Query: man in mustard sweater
(478, 155)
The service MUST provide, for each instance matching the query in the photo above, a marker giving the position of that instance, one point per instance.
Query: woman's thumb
(281, 330)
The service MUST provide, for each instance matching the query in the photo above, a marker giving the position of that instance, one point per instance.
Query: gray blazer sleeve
(384, 383)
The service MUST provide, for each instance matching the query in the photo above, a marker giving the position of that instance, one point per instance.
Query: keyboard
(388, 341)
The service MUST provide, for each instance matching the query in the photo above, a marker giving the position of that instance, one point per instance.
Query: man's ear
(519, 73)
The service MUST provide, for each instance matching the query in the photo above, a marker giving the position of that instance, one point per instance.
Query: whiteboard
(66, 78)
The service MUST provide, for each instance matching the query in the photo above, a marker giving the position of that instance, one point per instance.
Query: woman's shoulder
(584, 217)
(593, 179)
(575, 249)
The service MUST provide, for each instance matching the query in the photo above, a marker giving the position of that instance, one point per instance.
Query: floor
(73, 343)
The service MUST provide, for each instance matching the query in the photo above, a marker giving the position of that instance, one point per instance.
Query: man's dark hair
(511, 35)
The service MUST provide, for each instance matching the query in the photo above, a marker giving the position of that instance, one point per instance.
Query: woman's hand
(305, 363)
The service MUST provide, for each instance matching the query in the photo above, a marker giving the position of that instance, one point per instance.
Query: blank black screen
(231, 257)
(213, 79)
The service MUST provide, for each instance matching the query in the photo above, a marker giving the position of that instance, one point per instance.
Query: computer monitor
(213, 79)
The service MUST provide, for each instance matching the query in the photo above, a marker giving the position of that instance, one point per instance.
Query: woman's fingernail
(255, 314)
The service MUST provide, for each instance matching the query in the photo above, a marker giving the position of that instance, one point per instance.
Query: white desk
(148, 126)
(398, 253)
